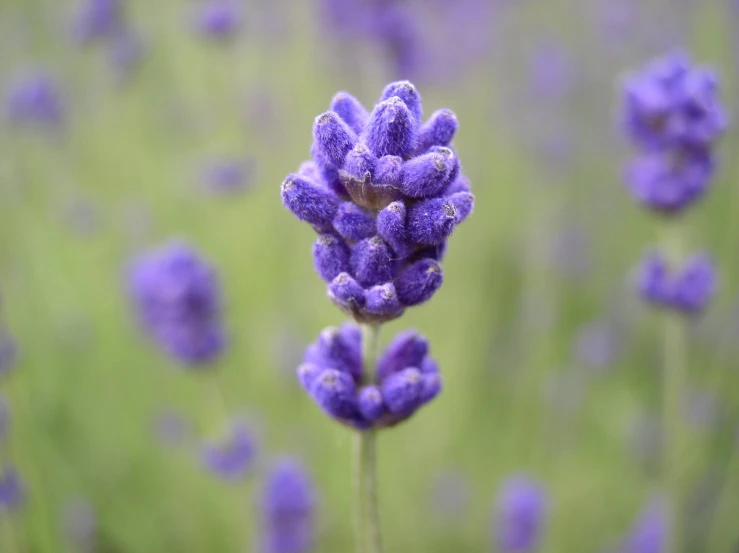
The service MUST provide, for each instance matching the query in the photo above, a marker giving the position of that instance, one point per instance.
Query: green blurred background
(546, 258)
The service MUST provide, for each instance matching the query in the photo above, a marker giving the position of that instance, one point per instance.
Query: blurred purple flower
(177, 297)
(35, 100)
(12, 491)
(687, 290)
(597, 344)
(80, 524)
(233, 458)
(125, 51)
(97, 19)
(226, 176)
(8, 353)
(649, 532)
(520, 517)
(552, 73)
(218, 19)
(288, 504)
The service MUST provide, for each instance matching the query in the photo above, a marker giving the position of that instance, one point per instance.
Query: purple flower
(385, 191)
(97, 19)
(288, 506)
(687, 290)
(12, 492)
(233, 458)
(125, 50)
(649, 532)
(597, 344)
(35, 100)
(673, 114)
(226, 176)
(520, 516)
(178, 302)
(218, 19)
(332, 373)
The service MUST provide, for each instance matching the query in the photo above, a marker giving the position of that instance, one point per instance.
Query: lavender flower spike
(387, 188)
(12, 491)
(35, 100)
(649, 532)
(521, 513)
(333, 374)
(177, 299)
(288, 509)
(232, 459)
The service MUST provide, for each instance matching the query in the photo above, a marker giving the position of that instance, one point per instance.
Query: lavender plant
(383, 191)
(520, 516)
(674, 117)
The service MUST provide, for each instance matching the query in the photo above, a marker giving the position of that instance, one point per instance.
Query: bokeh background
(177, 128)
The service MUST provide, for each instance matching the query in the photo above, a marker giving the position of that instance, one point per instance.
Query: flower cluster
(35, 101)
(12, 492)
(687, 290)
(178, 302)
(384, 191)
(673, 115)
(521, 512)
(234, 457)
(406, 378)
(288, 505)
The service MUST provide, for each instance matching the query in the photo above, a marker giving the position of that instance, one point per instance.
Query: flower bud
(438, 130)
(351, 111)
(353, 222)
(431, 221)
(309, 201)
(330, 256)
(418, 282)
(334, 391)
(391, 129)
(372, 262)
(333, 138)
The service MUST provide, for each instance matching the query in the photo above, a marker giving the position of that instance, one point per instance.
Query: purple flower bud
(431, 221)
(12, 492)
(97, 19)
(669, 182)
(218, 19)
(351, 111)
(354, 223)
(521, 512)
(432, 386)
(333, 138)
(372, 262)
(402, 392)
(438, 130)
(371, 406)
(653, 279)
(382, 300)
(459, 184)
(178, 302)
(360, 163)
(694, 285)
(389, 170)
(35, 100)
(225, 176)
(418, 282)
(649, 532)
(425, 175)
(391, 228)
(335, 393)
(8, 353)
(233, 458)
(338, 348)
(330, 256)
(408, 94)
(310, 202)
(346, 292)
(391, 129)
(408, 349)
(307, 373)
(288, 503)
(464, 203)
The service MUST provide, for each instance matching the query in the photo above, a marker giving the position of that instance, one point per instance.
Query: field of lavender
(157, 295)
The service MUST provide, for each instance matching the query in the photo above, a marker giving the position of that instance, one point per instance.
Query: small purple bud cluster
(12, 491)
(233, 458)
(35, 101)
(687, 290)
(674, 116)
(407, 377)
(218, 20)
(384, 191)
(520, 516)
(178, 302)
(649, 532)
(288, 509)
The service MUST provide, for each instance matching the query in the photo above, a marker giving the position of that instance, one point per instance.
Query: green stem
(369, 537)
(674, 379)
